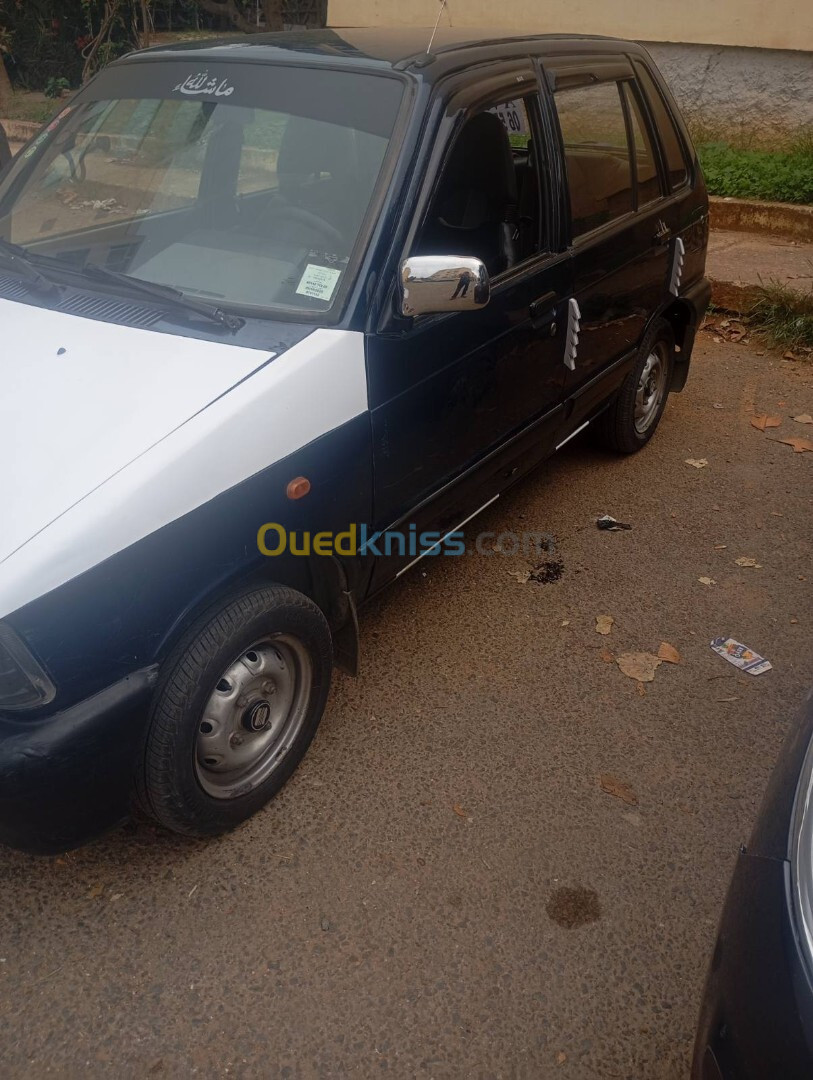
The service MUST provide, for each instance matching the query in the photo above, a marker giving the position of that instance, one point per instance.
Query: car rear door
(613, 213)
(685, 208)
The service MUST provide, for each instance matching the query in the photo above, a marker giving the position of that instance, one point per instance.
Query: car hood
(80, 400)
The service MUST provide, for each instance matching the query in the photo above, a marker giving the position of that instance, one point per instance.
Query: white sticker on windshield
(318, 281)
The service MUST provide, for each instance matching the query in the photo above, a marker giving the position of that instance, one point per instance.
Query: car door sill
(572, 435)
(465, 521)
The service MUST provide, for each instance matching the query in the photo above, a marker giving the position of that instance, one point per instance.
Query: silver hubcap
(252, 716)
(649, 395)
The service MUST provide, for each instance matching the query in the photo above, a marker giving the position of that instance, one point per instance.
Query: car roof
(381, 48)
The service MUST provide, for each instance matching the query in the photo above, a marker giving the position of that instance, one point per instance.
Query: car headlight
(23, 683)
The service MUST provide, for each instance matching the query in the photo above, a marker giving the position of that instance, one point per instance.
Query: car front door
(463, 401)
(619, 240)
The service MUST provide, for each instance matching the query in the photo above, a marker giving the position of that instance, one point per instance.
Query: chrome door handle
(663, 234)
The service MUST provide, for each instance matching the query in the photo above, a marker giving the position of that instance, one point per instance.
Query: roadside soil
(451, 886)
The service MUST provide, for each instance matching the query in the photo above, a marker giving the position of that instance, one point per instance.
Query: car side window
(488, 198)
(676, 165)
(648, 185)
(594, 132)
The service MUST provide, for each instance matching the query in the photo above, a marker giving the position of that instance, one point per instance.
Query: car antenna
(443, 5)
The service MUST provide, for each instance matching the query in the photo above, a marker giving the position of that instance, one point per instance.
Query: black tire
(617, 428)
(171, 773)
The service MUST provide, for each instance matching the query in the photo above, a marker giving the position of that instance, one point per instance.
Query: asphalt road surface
(445, 889)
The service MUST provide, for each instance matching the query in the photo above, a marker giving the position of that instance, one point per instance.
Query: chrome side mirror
(433, 283)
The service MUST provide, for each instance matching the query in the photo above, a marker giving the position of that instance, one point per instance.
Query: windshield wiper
(20, 261)
(165, 293)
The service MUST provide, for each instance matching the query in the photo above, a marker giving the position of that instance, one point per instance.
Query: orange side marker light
(298, 487)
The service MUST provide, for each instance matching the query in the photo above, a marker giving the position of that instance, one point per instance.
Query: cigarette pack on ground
(741, 656)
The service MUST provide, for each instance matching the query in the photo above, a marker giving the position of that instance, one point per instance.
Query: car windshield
(243, 184)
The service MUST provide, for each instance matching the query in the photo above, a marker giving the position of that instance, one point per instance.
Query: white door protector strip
(306, 392)
(80, 399)
(574, 322)
(676, 276)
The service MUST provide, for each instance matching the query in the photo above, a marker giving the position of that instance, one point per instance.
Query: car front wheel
(236, 707)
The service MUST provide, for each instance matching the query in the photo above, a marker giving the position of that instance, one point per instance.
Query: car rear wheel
(237, 705)
(630, 421)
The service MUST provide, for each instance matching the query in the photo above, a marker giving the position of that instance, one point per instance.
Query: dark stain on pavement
(548, 571)
(572, 908)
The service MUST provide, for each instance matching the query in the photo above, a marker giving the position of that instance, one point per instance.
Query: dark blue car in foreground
(756, 1022)
(261, 299)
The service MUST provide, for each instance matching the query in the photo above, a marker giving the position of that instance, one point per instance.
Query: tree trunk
(273, 14)
(233, 10)
(145, 24)
(5, 87)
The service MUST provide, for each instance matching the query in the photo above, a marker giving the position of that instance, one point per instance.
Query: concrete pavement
(754, 258)
(399, 910)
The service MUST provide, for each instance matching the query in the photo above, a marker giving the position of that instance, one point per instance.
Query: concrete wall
(780, 24)
(740, 90)
(745, 96)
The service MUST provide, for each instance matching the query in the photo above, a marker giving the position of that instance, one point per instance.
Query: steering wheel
(291, 212)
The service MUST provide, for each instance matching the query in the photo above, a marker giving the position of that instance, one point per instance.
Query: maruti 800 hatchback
(332, 281)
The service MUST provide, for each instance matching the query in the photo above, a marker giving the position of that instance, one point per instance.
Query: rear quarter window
(676, 165)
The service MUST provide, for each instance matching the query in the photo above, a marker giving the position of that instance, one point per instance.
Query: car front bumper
(67, 778)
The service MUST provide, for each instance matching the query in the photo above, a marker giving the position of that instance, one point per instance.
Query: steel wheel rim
(650, 392)
(252, 716)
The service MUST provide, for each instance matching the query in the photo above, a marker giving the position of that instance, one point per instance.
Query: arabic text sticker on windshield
(318, 282)
(201, 83)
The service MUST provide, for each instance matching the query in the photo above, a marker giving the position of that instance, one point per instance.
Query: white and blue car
(260, 299)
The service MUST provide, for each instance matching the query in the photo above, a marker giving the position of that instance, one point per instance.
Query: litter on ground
(741, 656)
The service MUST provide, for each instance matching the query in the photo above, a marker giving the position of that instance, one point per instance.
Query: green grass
(784, 317)
(32, 107)
(777, 175)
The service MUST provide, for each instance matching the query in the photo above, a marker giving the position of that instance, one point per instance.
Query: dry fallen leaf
(638, 665)
(561, 1057)
(96, 891)
(799, 445)
(744, 560)
(697, 463)
(604, 624)
(520, 575)
(613, 786)
(606, 655)
(707, 581)
(458, 809)
(641, 689)
(668, 653)
(565, 622)
(789, 355)
(763, 421)
(804, 418)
